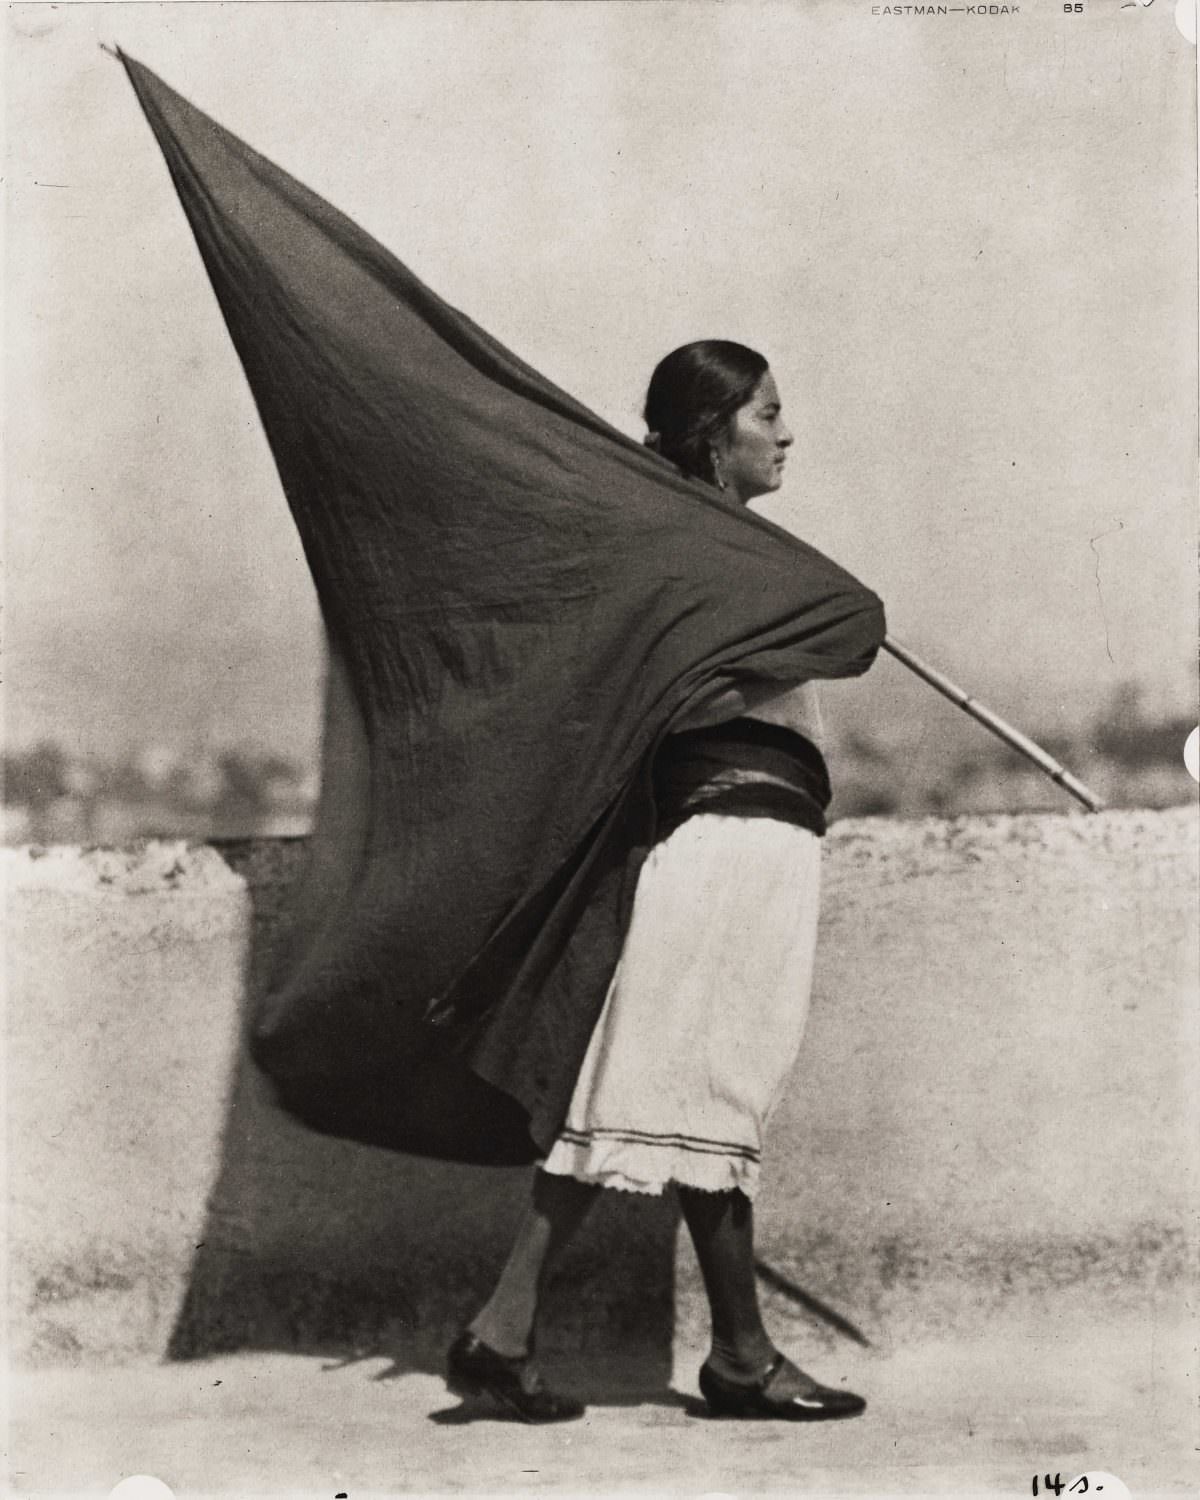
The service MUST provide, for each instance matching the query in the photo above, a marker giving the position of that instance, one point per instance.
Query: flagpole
(995, 723)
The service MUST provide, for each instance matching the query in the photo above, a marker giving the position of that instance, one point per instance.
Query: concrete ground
(1036, 1390)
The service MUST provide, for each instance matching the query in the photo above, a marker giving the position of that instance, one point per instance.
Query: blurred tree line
(1131, 758)
(50, 795)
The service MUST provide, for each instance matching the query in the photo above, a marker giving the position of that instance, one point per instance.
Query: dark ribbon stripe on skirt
(744, 768)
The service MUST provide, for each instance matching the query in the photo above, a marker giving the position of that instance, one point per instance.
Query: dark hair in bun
(693, 395)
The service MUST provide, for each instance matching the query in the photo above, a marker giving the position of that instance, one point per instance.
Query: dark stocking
(722, 1230)
(557, 1209)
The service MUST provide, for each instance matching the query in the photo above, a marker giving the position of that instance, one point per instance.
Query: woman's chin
(767, 485)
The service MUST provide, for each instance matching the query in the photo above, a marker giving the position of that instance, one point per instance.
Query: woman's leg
(505, 1323)
(722, 1229)
(752, 1379)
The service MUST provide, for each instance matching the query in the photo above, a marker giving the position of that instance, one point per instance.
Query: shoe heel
(462, 1383)
(717, 1399)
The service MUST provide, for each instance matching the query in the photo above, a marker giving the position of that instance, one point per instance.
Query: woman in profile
(705, 1012)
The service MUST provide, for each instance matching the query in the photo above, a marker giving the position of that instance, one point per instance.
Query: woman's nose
(784, 437)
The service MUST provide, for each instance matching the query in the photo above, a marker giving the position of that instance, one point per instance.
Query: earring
(718, 477)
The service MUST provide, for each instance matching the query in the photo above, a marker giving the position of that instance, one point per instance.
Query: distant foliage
(1129, 757)
(152, 792)
(36, 778)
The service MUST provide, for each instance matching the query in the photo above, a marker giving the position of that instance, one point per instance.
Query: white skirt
(705, 1012)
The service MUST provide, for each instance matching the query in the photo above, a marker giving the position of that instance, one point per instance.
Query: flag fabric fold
(519, 603)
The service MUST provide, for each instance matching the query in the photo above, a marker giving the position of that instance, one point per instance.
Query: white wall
(996, 1098)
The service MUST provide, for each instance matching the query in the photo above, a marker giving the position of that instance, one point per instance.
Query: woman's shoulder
(797, 708)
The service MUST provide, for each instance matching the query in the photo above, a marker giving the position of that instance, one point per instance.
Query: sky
(966, 243)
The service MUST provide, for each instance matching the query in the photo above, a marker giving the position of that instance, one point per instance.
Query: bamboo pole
(995, 723)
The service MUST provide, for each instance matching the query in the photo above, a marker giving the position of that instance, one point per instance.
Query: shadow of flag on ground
(519, 603)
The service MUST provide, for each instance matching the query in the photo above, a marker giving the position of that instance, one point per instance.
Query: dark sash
(744, 768)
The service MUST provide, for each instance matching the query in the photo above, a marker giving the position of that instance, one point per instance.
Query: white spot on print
(1191, 754)
(141, 1487)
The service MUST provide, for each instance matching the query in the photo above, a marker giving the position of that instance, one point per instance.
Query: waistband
(744, 768)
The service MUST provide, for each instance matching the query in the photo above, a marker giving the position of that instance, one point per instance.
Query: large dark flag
(520, 602)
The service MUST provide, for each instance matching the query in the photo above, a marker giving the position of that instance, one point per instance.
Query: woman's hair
(693, 395)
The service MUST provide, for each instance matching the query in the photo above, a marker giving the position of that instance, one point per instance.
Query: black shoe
(812, 1403)
(474, 1369)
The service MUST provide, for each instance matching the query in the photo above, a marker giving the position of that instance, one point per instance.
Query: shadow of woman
(320, 1246)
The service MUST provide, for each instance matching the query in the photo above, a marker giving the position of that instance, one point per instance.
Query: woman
(704, 1014)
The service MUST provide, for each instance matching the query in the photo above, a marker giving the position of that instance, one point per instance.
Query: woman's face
(750, 457)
